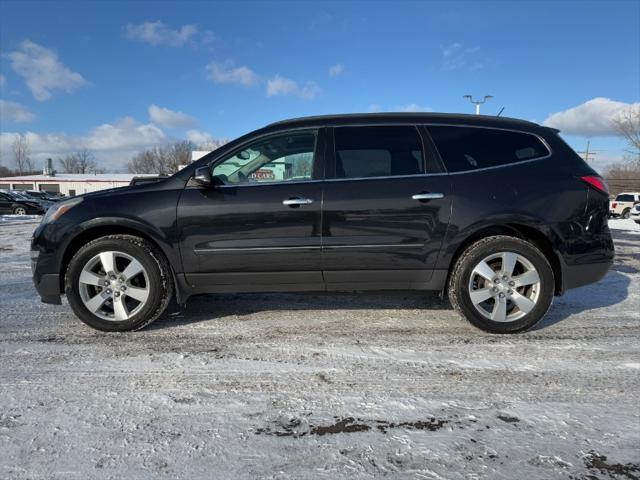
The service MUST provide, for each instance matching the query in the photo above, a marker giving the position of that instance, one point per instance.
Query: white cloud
(591, 118)
(126, 133)
(42, 70)
(413, 107)
(199, 137)
(336, 70)
(14, 112)
(113, 144)
(280, 85)
(170, 119)
(227, 73)
(157, 33)
(455, 56)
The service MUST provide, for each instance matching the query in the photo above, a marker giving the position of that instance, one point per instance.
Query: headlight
(60, 209)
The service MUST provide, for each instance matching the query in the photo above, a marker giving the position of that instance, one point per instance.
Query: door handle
(296, 201)
(427, 196)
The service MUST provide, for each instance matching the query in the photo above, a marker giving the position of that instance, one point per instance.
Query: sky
(117, 77)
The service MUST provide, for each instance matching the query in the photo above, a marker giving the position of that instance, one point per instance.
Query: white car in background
(623, 203)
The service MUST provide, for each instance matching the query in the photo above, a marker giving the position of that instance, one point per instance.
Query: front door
(258, 228)
(386, 210)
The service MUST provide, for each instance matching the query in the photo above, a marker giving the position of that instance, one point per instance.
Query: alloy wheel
(504, 287)
(114, 286)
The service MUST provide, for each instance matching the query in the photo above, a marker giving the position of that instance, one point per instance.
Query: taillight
(597, 183)
(614, 205)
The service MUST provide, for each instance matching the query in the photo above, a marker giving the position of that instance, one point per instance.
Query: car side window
(470, 148)
(378, 151)
(280, 158)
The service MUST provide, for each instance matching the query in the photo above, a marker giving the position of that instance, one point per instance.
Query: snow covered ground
(330, 387)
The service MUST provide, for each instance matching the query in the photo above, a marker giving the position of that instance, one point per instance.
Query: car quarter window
(378, 151)
(470, 148)
(280, 158)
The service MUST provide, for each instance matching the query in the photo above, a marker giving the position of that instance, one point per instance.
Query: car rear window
(379, 151)
(625, 198)
(471, 148)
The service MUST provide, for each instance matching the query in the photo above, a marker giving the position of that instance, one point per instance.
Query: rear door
(259, 227)
(386, 208)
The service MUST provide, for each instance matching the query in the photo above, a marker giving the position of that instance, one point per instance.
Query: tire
(118, 309)
(465, 281)
(626, 213)
(19, 211)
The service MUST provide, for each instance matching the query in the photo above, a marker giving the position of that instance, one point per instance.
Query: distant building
(198, 154)
(69, 184)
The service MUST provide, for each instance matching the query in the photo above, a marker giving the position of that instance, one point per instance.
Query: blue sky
(117, 77)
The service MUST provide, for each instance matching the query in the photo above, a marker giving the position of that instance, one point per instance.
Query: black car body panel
(358, 233)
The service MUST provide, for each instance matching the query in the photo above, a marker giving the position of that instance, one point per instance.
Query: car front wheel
(19, 211)
(118, 282)
(502, 284)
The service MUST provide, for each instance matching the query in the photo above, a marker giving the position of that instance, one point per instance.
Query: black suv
(500, 213)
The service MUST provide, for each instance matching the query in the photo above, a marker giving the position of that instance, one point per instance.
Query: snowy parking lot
(321, 386)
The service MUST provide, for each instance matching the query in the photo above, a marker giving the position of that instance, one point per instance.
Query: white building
(69, 184)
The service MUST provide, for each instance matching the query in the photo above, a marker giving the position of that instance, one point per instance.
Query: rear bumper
(574, 276)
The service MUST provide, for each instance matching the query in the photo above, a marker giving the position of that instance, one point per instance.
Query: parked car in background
(499, 213)
(49, 196)
(27, 195)
(13, 204)
(623, 203)
(146, 179)
(635, 213)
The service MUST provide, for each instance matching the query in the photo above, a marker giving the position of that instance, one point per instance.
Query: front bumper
(47, 284)
(48, 287)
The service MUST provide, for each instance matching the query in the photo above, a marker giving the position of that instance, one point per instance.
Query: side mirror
(202, 176)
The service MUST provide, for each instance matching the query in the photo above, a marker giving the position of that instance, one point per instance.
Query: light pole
(477, 103)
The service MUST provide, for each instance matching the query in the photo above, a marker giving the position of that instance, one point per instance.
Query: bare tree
(627, 124)
(213, 144)
(21, 154)
(68, 164)
(85, 161)
(162, 160)
(82, 161)
(5, 172)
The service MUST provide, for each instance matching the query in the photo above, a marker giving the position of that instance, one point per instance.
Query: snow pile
(623, 224)
(19, 218)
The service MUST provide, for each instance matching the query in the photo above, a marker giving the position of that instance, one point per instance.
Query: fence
(629, 184)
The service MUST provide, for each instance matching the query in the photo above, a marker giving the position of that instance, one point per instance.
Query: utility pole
(588, 154)
(477, 103)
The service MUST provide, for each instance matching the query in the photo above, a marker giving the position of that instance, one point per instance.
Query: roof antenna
(500, 112)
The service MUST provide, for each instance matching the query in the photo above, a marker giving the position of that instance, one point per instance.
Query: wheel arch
(94, 230)
(525, 232)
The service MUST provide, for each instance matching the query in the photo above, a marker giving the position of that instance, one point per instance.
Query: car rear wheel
(502, 284)
(626, 213)
(118, 282)
(19, 211)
